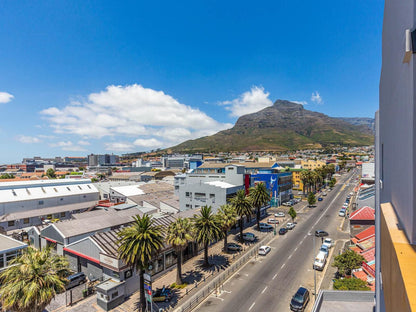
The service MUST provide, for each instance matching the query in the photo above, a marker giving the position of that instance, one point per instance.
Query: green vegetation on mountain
(280, 127)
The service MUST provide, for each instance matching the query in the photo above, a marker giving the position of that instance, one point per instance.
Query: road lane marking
(264, 289)
(283, 265)
(251, 306)
(274, 276)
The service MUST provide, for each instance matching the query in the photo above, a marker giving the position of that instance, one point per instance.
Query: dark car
(321, 233)
(164, 294)
(300, 300)
(75, 280)
(283, 231)
(320, 199)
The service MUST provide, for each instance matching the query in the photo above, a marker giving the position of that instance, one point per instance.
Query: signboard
(369, 269)
(147, 277)
(147, 286)
(109, 261)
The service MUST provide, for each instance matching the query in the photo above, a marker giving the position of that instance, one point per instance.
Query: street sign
(147, 286)
(147, 277)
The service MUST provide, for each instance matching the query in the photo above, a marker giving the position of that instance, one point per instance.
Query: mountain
(283, 126)
(361, 121)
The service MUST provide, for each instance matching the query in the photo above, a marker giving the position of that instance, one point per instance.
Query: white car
(273, 221)
(264, 250)
(249, 237)
(290, 225)
(279, 214)
(328, 242)
(320, 261)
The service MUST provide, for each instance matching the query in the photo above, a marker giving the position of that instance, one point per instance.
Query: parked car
(75, 280)
(248, 236)
(264, 250)
(279, 214)
(320, 261)
(290, 225)
(328, 242)
(164, 294)
(320, 199)
(321, 233)
(286, 204)
(283, 231)
(273, 221)
(265, 226)
(234, 247)
(341, 213)
(323, 194)
(345, 205)
(299, 300)
(325, 249)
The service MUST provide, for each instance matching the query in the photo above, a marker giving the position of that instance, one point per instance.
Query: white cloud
(5, 97)
(82, 142)
(317, 98)
(148, 142)
(68, 146)
(132, 111)
(119, 146)
(300, 102)
(28, 139)
(248, 102)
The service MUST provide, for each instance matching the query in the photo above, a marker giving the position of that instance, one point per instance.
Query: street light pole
(314, 271)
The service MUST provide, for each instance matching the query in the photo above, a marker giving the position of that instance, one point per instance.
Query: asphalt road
(268, 283)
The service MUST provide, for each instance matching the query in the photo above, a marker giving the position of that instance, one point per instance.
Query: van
(320, 261)
(75, 280)
(249, 237)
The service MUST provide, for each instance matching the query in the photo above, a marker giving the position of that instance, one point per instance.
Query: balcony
(398, 259)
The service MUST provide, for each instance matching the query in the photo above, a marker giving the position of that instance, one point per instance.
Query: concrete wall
(397, 115)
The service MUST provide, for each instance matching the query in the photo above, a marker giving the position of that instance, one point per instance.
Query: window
(1, 261)
(68, 188)
(114, 295)
(128, 274)
(14, 193)
(55, 189)
(61, 199)
(62, 214)
(10, 223)
(187, 194)
(211, 195)
(41, 202)
(25, 220)
(188, 206)
(43, 190)
(79, 187)
(85, 196)
(89, 186)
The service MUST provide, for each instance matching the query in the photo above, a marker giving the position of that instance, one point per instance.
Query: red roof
(364, 213)
(366, 233)
(369, 255)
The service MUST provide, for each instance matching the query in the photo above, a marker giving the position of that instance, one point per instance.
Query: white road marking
(264, 289)
(290, 256)
(251, 306)
(274, 276)
(296, 248)
(283, 265)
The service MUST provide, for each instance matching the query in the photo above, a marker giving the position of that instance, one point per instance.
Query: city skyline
(104, 78)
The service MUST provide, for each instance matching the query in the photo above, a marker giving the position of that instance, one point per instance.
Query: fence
(78, 293)
(218, 281)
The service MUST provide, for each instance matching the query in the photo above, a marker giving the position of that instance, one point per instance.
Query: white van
(320, 261)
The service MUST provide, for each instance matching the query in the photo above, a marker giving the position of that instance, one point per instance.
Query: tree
(101, 176)
(7, 176)
(350, 284)
(179, 234)
(138, 244)
(207, 229)
(348, 261)
(311, 199)
(332, 182)
(242, 206)
(50, 173)
(292, 213)
(33, 280)
(305, 177)
(259, 196)
(227, 217)
(93, 180)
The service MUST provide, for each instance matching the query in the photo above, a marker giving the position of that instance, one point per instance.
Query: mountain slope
(282, 126)
(365, 121)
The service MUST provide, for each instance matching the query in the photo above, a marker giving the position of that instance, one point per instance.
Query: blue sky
(97, 76)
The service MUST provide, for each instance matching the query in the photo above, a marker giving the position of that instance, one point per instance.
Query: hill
(282, 126)
(361, 121)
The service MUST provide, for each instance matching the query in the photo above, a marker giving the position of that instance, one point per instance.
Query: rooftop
(9, 244)
(343, 301)
(364, 213)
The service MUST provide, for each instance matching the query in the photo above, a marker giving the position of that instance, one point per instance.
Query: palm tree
(179, 235)
(259, 196)
(207, 229)
(242, 205)
(138, 244)
(227, 217)
(33, 280)
(307, 180)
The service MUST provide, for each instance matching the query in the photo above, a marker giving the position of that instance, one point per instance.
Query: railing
(218, 281)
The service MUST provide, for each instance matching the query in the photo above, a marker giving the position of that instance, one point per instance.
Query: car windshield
(298, 298)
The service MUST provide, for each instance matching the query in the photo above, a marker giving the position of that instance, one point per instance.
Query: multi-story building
(296, 180)
(102, 160)
(396, 161)
(312, 164)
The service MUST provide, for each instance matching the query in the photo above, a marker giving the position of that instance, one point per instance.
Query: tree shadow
(190, 277)
(216, 263)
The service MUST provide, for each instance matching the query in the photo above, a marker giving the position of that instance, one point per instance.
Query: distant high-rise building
(102, 160)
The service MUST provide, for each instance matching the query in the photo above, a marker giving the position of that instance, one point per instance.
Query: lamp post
(314, 271)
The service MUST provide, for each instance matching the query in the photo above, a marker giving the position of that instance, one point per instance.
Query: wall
(397, 115)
